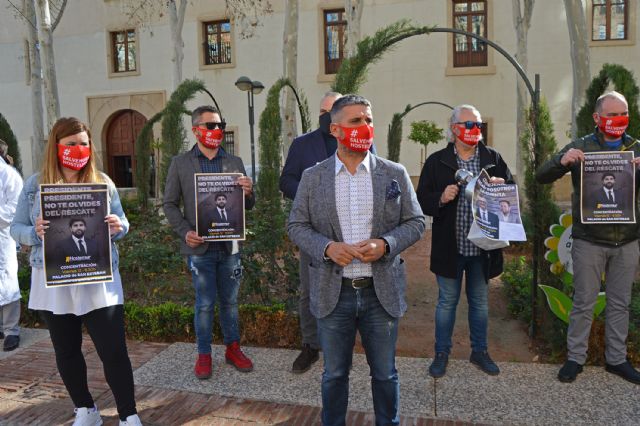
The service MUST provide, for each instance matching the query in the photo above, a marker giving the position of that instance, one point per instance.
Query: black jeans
(106, 328)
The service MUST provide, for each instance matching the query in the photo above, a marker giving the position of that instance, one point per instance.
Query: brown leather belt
(358, 283)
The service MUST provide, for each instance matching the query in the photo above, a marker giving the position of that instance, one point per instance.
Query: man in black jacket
(597, 249)
(452, 254)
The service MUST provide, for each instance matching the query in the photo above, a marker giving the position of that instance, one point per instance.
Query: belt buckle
(356, 280)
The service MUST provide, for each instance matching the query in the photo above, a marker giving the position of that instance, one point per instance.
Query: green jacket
(552, 170)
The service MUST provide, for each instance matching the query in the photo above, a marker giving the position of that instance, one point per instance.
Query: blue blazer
(306, 151)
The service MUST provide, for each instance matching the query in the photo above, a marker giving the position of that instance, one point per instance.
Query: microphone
(463, 177)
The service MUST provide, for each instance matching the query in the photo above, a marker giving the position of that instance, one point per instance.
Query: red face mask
(74, 157)
(471, 136)
(209, 138)
(358, 139)
(613, 126)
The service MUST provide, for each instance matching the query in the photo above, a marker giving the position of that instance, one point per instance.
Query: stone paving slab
(28, 336)
(272, 380)
(531, 394)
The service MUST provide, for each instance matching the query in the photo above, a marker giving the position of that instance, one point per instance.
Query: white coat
(10, 187)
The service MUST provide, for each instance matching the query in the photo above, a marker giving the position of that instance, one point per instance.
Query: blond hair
(52, 169)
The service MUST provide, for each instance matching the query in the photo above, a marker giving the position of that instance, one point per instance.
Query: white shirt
(82, 246)
(354, 203)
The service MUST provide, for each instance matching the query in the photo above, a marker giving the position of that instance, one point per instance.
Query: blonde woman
(70, 157)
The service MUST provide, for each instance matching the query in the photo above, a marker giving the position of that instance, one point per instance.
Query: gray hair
(345, 101)
(609, 95)
(455, 116)
(195, 115)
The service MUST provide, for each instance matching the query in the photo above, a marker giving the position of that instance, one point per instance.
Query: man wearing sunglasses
(215, 266)
(597, 249)
(452, 254)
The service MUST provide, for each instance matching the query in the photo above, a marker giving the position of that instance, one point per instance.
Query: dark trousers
(106, 328)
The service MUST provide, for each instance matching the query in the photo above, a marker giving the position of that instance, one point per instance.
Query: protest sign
(77, 244)
(219, 207)
(607, 188)
(496, 214)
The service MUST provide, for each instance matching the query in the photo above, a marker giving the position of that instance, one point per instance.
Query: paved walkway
(31, 392)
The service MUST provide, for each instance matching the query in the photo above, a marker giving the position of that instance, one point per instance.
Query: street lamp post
(251, 87)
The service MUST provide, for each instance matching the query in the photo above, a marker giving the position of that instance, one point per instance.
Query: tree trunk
(522, 23)
(35, 82)
(353, 12)
(52, 103)
(578, 39)
(290, 65)
(176, 22)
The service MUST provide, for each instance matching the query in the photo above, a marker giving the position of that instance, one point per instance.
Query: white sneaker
(132, 420)
(87, 417)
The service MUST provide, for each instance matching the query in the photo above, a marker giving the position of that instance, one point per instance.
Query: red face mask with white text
(471, 136)
(74, 157)
(358, 139)
(209, 138)
(613, 126)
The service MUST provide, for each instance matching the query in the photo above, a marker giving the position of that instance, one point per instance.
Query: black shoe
(11, 342)
(439, 365)
(569, 371)
(483, 361)
(626, 371)
(305, 360)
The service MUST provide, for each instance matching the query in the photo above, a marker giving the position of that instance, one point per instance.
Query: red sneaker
(202, 369)
(237, 358)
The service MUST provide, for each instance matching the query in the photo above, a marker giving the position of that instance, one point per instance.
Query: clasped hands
(366, 251)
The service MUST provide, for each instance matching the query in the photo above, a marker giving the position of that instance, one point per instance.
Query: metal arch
(214, 100)
(300, 109)
(511, 59)
(425, 103)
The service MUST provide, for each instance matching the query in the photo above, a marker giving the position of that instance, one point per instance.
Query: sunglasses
(469, 124)
(213, 125)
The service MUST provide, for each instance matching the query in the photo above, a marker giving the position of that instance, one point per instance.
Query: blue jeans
(359, 310)
(448, 297)
(215, 274)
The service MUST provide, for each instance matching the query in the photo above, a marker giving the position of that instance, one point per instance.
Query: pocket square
(393, 190)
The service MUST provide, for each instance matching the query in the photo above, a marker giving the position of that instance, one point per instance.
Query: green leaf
(552, 256)
(601, 302)
(559, 303)
(557, 230)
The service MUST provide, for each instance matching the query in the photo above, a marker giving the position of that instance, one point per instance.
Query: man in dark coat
(452, 254)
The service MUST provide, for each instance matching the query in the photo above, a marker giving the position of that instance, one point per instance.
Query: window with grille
(470, 16)
(217, 42)
(229, 143)
(123, 47)
(609, 20)
(335, 27)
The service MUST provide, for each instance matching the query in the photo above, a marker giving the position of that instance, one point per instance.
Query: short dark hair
(604, 175)
(221, 194)
(347, 100)
(506, 201)
(195, 115)
(76, 219)
(4, 148)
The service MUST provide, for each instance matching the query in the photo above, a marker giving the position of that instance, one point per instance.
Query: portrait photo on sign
(77, 244)
(608, 188)
(219, 207)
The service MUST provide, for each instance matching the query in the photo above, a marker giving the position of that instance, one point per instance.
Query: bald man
(611, 249)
